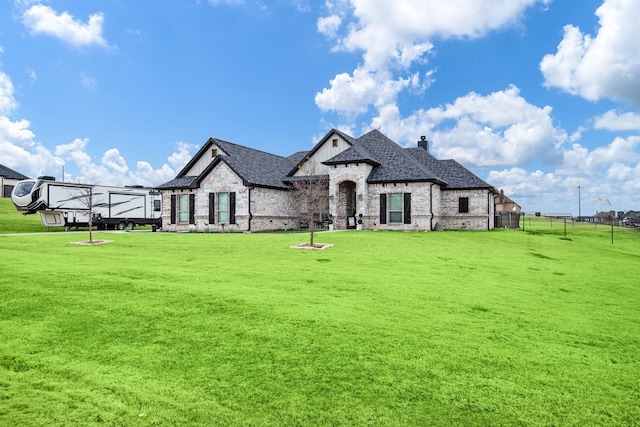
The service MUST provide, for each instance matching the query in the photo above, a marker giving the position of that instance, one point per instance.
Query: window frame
(463, 205)
(220, 212)
(183, 209)
(395, 219)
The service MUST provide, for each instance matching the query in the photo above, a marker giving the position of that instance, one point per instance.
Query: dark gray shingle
(182, 182)
(391, 163)
(11, 174)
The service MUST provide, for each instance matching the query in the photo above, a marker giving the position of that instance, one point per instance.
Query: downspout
(249, 209)
(489, 210)
(431, 206)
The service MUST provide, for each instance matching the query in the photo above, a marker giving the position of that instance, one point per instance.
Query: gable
(219, 178)
(202, 159)
(328, 147)
(387, 162)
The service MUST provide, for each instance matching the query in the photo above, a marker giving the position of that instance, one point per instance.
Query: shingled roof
(452, 173)
(11, 174)
(182, 182)
(395, 165)
(254, 167)
(391, 163)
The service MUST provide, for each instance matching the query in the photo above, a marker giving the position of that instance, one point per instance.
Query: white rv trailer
(66, 204)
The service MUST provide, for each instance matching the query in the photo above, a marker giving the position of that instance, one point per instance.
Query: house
(630, 218)
(8, 179)
(370, 181)
(505, 205)
(507, 212)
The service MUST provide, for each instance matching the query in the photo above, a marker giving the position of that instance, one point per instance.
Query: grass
(11, 221)
(452, 328)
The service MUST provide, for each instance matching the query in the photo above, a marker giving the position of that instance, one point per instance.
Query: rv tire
(122, 225)
(131, 225)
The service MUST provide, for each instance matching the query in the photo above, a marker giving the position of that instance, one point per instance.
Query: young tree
(311, 192)
(85, 199)
(607, 216)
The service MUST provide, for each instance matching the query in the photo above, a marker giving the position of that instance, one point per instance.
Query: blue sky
(535, 96)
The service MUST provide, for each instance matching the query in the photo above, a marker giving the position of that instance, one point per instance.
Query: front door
(347, 203)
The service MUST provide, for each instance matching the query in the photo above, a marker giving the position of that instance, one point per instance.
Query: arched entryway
(346, 208)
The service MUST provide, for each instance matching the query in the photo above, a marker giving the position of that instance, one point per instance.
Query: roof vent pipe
(424, 143)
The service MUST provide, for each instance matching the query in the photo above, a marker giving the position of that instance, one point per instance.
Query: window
(395, 207)
(157, 205)
(183, 208)
(214, 152)
(334, 142)
(23, 188)
(223, 207)
(463, 205)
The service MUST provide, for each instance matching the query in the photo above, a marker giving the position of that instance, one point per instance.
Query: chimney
(501, 196)
(424, 143)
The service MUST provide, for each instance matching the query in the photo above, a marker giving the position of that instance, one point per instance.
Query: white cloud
(604, 66)
(382, 28)
(536, 191)
(622, 172)
(301, 5)
(32, 75)
(16, 139)
(611, 120)
(393, 36)
(180, 158)
(113, 168)
(74, 151)
(579, 161)
(90, 83)
(556, 193)
(20, 151)
(41, 19)
(611, 171)
(353, 94)
(329, 25)
(7, 101)
(499, 129)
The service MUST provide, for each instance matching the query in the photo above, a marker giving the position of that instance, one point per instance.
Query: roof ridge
(402, 150)
(217, 141)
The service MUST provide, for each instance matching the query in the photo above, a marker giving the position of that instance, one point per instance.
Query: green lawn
(11, 221)
(451, 328)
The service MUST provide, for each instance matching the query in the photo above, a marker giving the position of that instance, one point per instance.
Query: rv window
(23, 188)
(157, 206)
